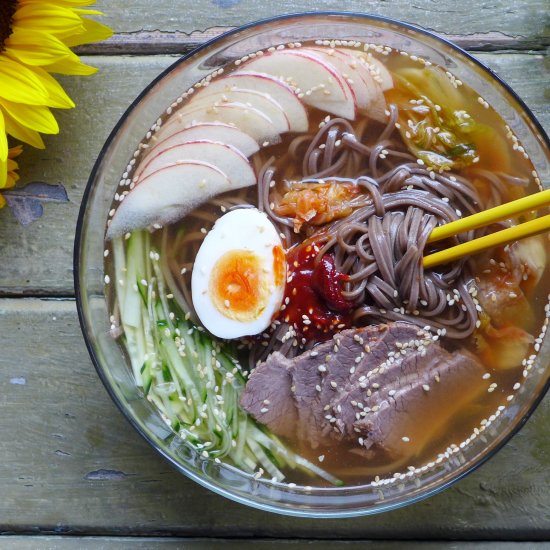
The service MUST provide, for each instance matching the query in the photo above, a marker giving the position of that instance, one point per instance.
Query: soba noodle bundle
(380, 245)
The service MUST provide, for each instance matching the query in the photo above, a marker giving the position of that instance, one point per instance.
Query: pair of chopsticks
(499, 213)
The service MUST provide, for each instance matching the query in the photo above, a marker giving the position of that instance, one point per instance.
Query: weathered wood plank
(163, 43)
(490, 25)
(70, 463)
(69, 157)
(131, 543)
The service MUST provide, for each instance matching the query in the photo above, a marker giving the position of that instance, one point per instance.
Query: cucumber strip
(264, 460)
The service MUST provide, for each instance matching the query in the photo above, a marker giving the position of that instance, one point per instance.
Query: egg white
(241, 229)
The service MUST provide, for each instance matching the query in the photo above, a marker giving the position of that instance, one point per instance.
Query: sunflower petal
(66, 3)
(34, 47)
(57, 97)
(87, 12)
(20, 84)
(3, 153)
(12, 166)
(36, 117)
(13, 178)
(71, 65)
(22, 133)
(95, 32)
(48, 17)
(14, 152)
(3, 140)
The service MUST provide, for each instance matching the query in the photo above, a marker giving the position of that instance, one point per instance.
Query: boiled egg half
(239, 275)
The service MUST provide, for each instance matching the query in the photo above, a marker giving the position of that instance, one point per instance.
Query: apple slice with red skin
(213, 131)
(221, 155)
(263, 102)
(368, 92)
(248, 119)
(167, 195)
(348, 67)
(377, 106)
(279, 91)
(376, 68)
(317, 82)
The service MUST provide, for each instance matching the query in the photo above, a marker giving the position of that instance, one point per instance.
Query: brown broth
(341, 459)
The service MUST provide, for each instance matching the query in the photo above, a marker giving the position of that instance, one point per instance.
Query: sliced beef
(386, 388)
(268, 396)
(359, 355)
(422, 406)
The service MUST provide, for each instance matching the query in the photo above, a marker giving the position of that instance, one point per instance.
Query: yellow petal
(35, 117)
(71, 65)
(3, 153)
(13, 178)
(95, 32)
(87, 12)
(22, 133)
(12, 165)
(20, 84)
(9, 168)
(57, 97)
(35, 47)
(66, 3)
(14, 152)
(48, 17)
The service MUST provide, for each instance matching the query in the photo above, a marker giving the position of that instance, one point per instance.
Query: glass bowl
(112, 364)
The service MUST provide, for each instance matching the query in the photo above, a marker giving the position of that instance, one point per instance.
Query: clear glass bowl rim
(78, 290)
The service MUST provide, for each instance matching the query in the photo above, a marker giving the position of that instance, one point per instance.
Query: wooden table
(73, 473)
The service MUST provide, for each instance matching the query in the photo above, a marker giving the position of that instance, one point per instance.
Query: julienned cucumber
(191, 379)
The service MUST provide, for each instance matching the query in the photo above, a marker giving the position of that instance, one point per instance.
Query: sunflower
(11, 169)
(35, 40)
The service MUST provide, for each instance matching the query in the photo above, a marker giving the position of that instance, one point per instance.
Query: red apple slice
(376, 102)
(281, 92)
(365, 82)
(258, 100)
(248, 119)
(348, 67)
(317, 82)
(225, 157)
(376, 68)
(167, 195)
(213, 131)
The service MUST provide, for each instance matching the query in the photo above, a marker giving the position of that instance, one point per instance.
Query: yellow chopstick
(496, 214)
(527, 229)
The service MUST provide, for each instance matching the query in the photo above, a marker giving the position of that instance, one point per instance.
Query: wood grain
(72, 465)
(131, 543)
(177, 42)
(491, 24)
(37, 260)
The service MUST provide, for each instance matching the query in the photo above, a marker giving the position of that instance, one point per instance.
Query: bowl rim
(79, 234)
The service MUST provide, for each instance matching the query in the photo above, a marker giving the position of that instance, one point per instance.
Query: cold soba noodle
(347, 353)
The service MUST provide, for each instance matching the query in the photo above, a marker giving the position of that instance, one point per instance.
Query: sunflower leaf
(26, 202)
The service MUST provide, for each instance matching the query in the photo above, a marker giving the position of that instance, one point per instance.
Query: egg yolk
(238, 285)
(279, 265)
